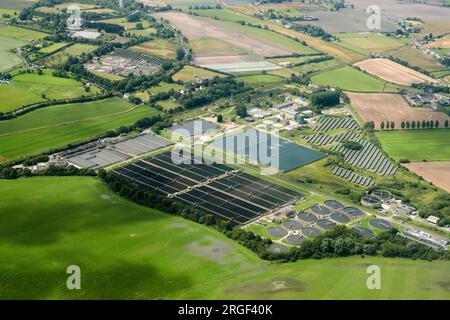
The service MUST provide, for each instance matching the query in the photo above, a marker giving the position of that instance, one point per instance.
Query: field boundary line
(69, 123)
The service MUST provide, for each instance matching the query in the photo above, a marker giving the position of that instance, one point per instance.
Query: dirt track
(436, 172)
(379, 107)
(393, 72)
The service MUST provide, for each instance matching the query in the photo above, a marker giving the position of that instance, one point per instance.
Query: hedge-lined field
(57, 126)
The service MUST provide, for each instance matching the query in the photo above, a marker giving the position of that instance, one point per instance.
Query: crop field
(443, 42)
(75, 50)
(58, 126)
(159, 47)
(227, 15)
(378, 107)
(405, 9)
(365, 43)
(348, 78)
(393, 72)
(212, 47)
(29, 88)
(417, 58)
(355, 20)
(416, 145)
(190, 73)
(192, 261)
(260, 42)
(436, 172)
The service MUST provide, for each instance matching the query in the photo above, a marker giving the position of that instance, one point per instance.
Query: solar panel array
(214, 188)
(370, 157)
(322, 139)
(352, 176)
(331, 123)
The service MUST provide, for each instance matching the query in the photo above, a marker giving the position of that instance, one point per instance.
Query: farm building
(290, 112)
(433, 219)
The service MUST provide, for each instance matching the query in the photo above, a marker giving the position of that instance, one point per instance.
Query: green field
(53, 47)
(21, 34)
(260, 79)
(4, 13)
(130, 252)
(29, 88)
(9, 59)
(190, 73)
(125, 23)
(12, 38)
(75, 50)
(348, 78)
(58, 126)
(162, 87)
(365, 43)
(417, 145)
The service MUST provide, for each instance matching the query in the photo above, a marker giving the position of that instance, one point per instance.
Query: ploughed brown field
(378, 107)
(196, 28)
(436, 172)
(440, 43)
(393, 72)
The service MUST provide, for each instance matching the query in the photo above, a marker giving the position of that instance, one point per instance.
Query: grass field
(58, 126)
(125, 23)
(160, 88)
(141, 253)
(260, 79)
(318, 66)
(190, 73)
(29, 88)
(9, 59)
(417, 58)
(12, 38)
(416, 145)
(53, 47)
(16, 4)
(21, 34)
(75, 50)
(4, 13)
(365, 43)
(158, 47)
(350, 79)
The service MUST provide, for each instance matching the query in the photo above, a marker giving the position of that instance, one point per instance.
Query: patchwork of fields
(57, 126)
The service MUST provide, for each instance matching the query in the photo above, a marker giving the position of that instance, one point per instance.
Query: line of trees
(424, 124)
